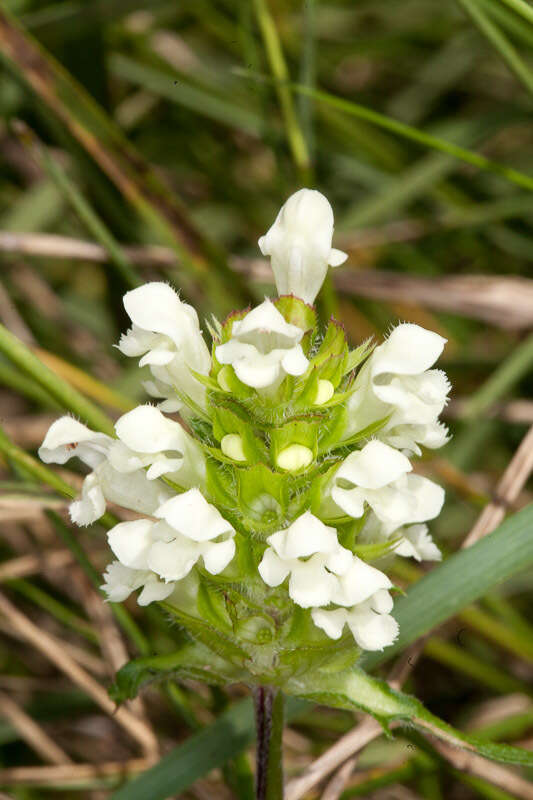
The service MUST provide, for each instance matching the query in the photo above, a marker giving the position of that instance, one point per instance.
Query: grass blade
(502, 45)
(58, 388)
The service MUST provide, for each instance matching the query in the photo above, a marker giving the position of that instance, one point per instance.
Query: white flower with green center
(262, 520)
(67, 438)
(377, 476)
(309, 552)
(397, 382)
(120, 581)
(189, 529)
(370, 622)
(166, 333)
(146, 438)
(299, 244)
(264, 348)
(411, 541)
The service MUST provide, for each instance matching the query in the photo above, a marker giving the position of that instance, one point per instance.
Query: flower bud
(231, 446)
(299, 244)
(324, 392)
(222, 378)
(294, 457)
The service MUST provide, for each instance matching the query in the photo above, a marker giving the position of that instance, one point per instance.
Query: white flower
(358, 583)
(377, 475)
(397, 381)
(417, 543)
(145, 436)
(121, 581)
(370, 622)
(67, 438)
(313, 581)
(264, 348)
(299, 243)
(189, 529)
(413, 541)
(166, 333)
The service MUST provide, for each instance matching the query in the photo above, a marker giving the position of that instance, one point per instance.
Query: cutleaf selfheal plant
(267, 511)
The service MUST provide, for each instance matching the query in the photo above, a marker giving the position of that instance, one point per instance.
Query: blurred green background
(157, 140)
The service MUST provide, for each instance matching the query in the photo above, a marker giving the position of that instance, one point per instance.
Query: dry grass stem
(502, 301)
(490, 771)
(336, 785)
(27, 565)
(32, 733)
(28, 430)
(508, 489)
(91, 662)
(64, 662)
(71, 774)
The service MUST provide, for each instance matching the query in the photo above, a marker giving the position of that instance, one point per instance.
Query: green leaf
(295, 311)
(333, 343)
(357, 356)
(191, 661)
(355, 690)
(364, 433)
(298, 431)
(221, 644)
(230, 418)
(220, 483)
(263, 495)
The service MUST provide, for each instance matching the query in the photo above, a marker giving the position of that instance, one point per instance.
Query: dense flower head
(289, 463)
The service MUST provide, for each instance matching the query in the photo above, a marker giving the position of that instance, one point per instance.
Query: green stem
(269, 704)
(499, 42)
(280, 72)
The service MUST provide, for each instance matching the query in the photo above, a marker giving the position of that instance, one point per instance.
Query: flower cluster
(286, 472)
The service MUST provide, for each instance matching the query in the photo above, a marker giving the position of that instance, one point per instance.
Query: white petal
(392, 505)
(173, 560)
(91, 505)
(132, 490)
(359, 583)
(351, 501)
(121, 581)
(155, 590)
(162, 466)
(295, 363)
(428, 496)
(156, 307)
(306, 535)
(131, 542)
(147, 430)
(272, 568)
(374, 466)
(417, 543)
(217, 555)
(331, 622)
(160, 357)
(299, 243)
(265, 318)
(337, 257)
(257, 373)
(67, 437)
(381, 602)
(310, 584)
(409, 350)
(372, 631)
(191, 515)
